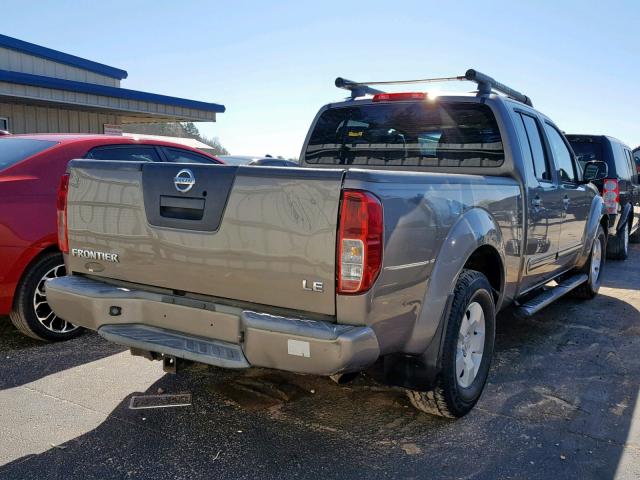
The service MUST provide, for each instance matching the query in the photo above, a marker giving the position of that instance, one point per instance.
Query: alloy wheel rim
(596, 260)
(45, 315)
(470, 347)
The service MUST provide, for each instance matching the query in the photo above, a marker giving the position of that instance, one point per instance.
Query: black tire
(589, 289)
(449, 398)
(24, 315)
(635, 237)
(618, 246)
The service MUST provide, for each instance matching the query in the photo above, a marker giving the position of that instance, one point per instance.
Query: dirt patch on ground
(260, 390)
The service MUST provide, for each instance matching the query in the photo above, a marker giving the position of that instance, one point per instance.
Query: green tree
(190, 130)
(214, 143)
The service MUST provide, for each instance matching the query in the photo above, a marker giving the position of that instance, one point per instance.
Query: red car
(30, 171)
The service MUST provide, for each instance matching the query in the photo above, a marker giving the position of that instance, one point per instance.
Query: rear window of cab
(600, 148)
(425, 134)
(587, 149)
(14, 150)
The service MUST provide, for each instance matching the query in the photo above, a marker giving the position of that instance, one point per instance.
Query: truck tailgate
(251, 234)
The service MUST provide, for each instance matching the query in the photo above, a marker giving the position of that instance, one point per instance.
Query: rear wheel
(618, 246)
(635, 238)
(467, 350)
(593, 268)
(32, 314)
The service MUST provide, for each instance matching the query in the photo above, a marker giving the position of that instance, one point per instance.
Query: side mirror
(594, 170)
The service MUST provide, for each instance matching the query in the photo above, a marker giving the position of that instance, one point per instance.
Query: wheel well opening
(486, 260)
(50, 249)
(604, 221)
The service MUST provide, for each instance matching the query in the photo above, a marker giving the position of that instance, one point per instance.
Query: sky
(273, 64)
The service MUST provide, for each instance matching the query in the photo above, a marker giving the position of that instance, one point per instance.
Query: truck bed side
(275, 228)
(433, 222)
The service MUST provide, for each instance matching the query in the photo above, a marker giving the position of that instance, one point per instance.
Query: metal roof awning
(61, 57)
(37, 89)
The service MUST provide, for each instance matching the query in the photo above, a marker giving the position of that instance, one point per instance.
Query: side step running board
(211, 352)
(534, 305)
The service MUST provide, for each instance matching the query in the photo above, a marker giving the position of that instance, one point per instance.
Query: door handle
(536, 203)
(565, 202)
(181, 208)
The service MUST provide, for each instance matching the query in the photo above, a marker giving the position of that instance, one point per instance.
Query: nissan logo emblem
(184, 180)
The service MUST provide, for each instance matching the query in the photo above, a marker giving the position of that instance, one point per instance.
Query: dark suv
(620, 190)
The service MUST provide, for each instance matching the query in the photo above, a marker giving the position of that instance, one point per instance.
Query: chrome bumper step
(544, 299)
(188, 347)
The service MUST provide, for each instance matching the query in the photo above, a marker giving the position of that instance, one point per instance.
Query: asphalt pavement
(561, 402)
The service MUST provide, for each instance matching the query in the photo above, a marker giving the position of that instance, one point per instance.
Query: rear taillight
(398, 97)
(61, 210)
(611, 195)
(359, 241)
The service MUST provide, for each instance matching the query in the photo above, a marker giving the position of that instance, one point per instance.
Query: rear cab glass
(412, 134)
(14, 150)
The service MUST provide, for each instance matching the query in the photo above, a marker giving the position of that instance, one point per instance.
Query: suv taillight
(359, 241)
(61, 210)
(611, 195)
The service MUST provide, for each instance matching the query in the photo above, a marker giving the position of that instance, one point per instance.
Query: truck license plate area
(298, 348)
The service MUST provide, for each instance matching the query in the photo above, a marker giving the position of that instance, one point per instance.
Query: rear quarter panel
(433, 222)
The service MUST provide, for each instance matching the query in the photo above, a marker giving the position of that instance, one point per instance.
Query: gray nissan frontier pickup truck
(413, 219)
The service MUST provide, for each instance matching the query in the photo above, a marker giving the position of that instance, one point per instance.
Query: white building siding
(32, 119)
(83, 100)
(24, 63)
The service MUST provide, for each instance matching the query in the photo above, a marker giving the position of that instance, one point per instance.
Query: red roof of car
(65, 138)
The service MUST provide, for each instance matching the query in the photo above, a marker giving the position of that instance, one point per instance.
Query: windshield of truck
(13, 150)
(425, 134)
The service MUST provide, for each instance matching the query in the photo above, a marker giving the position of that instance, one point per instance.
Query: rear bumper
(211, 333)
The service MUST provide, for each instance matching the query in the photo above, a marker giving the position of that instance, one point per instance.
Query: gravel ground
(562, 402)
